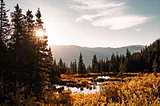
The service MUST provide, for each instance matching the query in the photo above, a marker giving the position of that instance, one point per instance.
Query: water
(103, 77)
(76, 90)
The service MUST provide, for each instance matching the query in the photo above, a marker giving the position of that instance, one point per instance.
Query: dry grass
(137, 91)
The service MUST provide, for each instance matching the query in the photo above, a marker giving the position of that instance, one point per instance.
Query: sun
(40, 33)
(54, 38)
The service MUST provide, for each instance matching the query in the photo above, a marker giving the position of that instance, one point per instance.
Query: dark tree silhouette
(81, 65)
(18, 56)
(94, 64)
(4, 35)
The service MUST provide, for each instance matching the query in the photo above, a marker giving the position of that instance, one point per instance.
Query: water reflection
(94, 88)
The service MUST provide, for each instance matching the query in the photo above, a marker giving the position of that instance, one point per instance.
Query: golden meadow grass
(137, 91)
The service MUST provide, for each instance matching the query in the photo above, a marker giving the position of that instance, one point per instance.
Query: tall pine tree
(29, 46)
(4, 35)
(17, 54)
(94, 64)
(44, 57)
(81, 65)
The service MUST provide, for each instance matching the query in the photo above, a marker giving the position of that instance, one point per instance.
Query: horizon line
(101, 46)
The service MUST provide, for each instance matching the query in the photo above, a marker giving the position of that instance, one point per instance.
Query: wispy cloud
(107, 14)
(122, 22)
(138, 30)
(94, 4)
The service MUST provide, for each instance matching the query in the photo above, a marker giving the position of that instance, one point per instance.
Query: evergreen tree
(4, 24)
(127, 60)
(75, 66)
(54, 73)
(107, 65)
(121, 68)
(29, 48)
(71, 67)
(102, 65)
(154, 67)
(17, 53)
(48, 64)
(89, 69)
(44, 57)
(128, 55)
(81, 65)
(117, 64)
(112, 66)
(4, 34)
(94, 64)
(60, 67)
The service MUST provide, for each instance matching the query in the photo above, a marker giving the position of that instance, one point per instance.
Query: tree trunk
(2, 90)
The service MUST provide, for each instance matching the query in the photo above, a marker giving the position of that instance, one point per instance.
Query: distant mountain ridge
(69, 53)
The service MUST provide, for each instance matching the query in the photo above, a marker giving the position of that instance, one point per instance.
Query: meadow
(142, 90)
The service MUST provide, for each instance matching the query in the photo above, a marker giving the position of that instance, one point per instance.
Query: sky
(96, 23)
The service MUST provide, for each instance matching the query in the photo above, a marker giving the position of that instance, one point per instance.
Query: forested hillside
(64, 52)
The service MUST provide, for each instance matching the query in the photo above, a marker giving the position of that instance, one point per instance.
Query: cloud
(94, 4)
(107, 14)
(89, 17)
(138, 30)
(121, 22)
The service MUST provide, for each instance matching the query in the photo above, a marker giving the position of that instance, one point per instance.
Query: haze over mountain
(69, 53)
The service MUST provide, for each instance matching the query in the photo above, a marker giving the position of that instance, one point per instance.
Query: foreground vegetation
(137, 91)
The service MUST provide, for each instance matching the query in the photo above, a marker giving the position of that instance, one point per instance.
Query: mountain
(72, 52)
